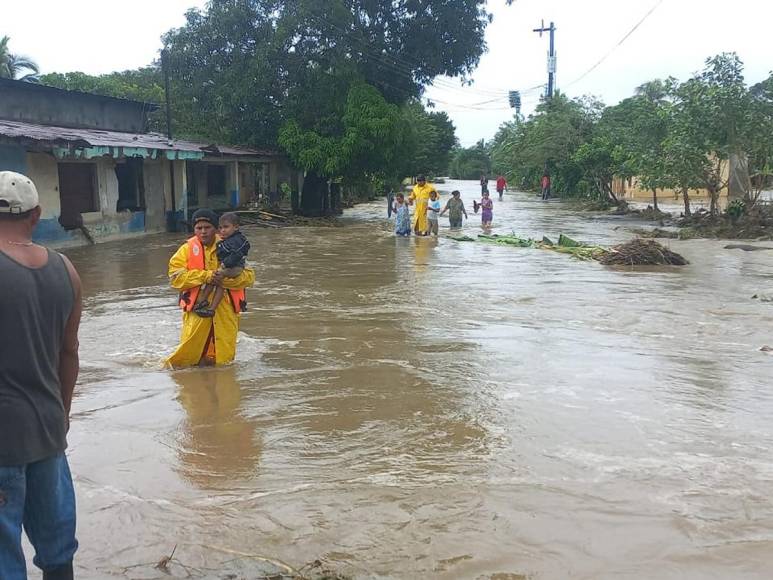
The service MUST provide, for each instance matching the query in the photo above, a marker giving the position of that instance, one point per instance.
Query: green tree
(370, 142)
(471, 162)
(429, 139)
(13, 65)
(548, 141)
(668, 135)
(230, 69)
(600, 160)
(444, 143)
(247, 68)
(760, 144)
(711, 122)
(640, 125)
(144, 84)
(503, 148)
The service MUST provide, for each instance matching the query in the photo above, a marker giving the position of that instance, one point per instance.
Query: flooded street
(421, 408)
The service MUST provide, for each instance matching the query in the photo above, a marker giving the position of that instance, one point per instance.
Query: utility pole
(551, 55)
(171, 219)
(167, 98)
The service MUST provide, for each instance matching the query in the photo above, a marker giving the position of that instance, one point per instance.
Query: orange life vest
(196, 262)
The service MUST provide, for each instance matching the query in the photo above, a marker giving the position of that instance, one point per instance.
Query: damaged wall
(155, 194)
(105, 223)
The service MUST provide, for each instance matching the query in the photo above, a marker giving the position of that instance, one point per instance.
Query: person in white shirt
(433, 213)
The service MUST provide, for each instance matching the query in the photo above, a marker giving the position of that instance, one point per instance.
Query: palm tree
(11, 65)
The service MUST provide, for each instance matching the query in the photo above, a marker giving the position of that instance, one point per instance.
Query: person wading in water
(501, 186)
(40, 310)
(206, 341)
(545, 186)
(420, 198)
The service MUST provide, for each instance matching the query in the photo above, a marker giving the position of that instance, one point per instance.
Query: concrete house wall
(107, 222)
(46, 133)
(34, 103)
(631, 189)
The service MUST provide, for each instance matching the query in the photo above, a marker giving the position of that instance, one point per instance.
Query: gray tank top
(34, 307)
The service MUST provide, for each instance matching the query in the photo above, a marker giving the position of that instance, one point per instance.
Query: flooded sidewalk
(425, 408)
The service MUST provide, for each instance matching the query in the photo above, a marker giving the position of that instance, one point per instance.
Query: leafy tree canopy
(471, 162)
(260, 71)
(667, 135)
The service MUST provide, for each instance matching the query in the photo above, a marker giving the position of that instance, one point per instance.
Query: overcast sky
(96, 36)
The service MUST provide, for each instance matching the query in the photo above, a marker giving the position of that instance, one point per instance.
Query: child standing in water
(402, 216)
(455, 209)
(433, 213)
(232, 253)
(487, 210)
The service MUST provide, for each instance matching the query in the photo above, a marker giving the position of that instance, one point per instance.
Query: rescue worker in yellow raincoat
(206, 341)
(420, 198)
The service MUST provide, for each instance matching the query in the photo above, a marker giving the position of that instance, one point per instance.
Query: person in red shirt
(545, 186)
(501, 186)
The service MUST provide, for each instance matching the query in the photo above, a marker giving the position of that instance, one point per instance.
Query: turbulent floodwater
(422, 408)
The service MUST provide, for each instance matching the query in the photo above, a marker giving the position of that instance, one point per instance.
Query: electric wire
(619, 43)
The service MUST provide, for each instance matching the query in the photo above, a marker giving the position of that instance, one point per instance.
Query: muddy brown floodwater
(421, 408)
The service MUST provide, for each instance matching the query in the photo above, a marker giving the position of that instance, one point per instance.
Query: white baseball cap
(17, 193)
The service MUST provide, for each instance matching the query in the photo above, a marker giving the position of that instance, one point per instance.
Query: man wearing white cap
(40, 310)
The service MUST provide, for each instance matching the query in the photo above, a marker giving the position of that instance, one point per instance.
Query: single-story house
(97, 168)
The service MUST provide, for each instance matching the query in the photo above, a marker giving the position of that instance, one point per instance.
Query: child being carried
(232, 253)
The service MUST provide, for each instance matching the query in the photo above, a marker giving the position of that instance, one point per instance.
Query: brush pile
(280, 220)
(637, 252)
(641, 253)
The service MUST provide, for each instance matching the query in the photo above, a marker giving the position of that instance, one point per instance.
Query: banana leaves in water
(565, 245)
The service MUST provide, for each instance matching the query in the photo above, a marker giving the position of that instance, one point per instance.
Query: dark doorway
(191, 174)
(216, 183)
(77, 192)
(131, 185)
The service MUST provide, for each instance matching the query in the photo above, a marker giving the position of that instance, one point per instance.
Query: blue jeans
(39, 496)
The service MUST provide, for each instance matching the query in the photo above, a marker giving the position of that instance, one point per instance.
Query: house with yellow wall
(630, 189)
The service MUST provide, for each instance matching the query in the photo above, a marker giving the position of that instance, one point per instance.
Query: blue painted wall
(49, 231)
(13, 158)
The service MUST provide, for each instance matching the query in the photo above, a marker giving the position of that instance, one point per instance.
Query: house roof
(40, 88)
(92, 138)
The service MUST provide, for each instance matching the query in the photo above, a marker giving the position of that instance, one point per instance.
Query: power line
(484, 105)
(616, 46)
(406, 68)
(527, 102)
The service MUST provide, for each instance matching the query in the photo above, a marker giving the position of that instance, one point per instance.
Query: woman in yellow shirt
(420, 198)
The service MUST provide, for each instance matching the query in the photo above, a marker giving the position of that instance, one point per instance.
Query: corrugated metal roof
(60, 136)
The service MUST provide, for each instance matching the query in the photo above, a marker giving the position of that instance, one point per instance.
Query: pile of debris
(738, 222)
(637, 252)
(279, 220)
(640, 252)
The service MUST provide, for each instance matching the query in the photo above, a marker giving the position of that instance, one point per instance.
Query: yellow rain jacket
(205, 338)
(420, 197)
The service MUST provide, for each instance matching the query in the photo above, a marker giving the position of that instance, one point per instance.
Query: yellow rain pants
(420, 198)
